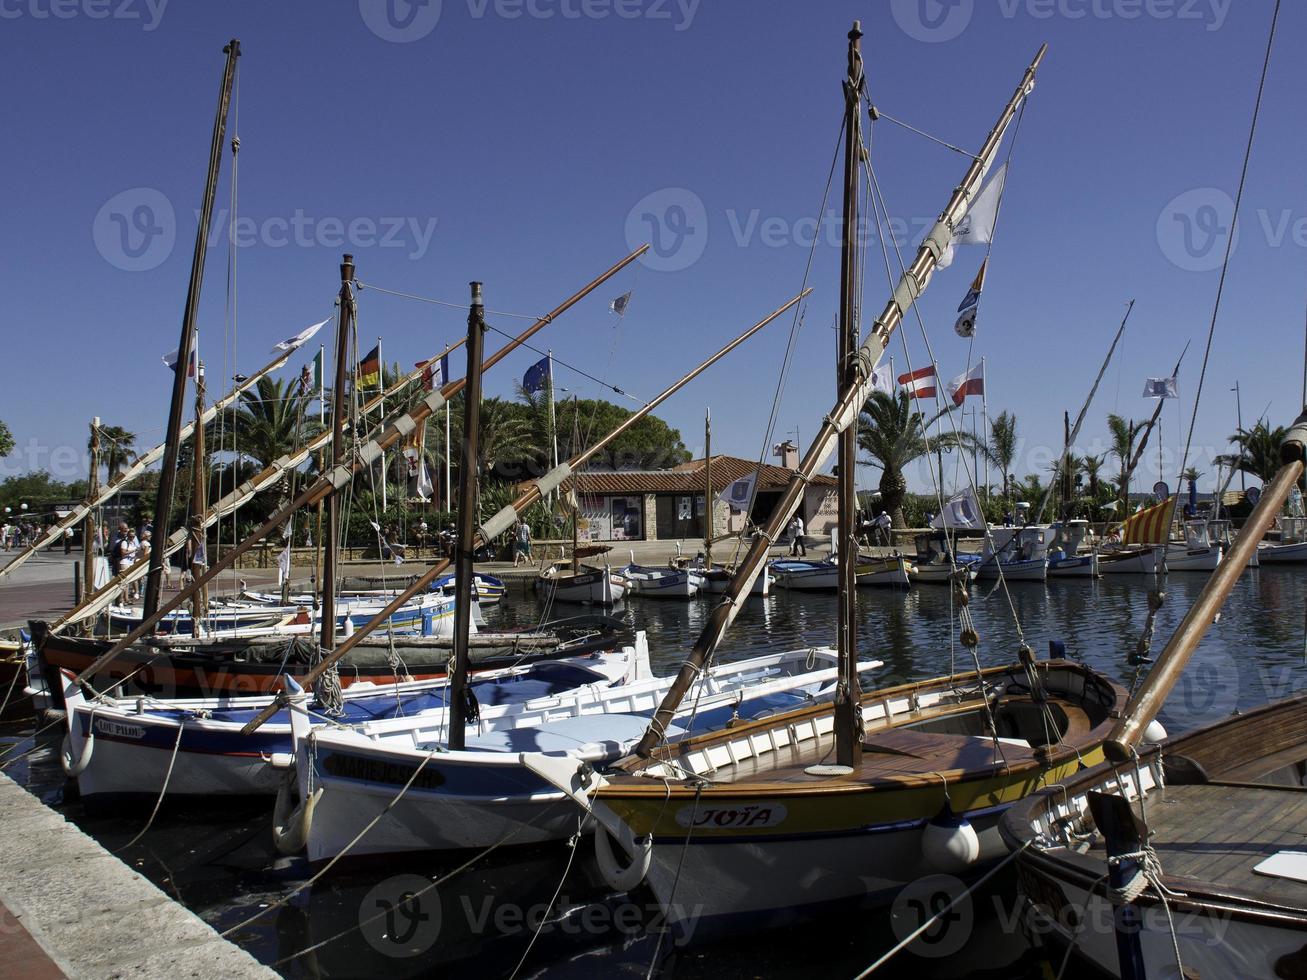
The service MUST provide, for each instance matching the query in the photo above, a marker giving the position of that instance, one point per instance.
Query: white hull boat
(1030, 570)
(1076, 566)
(661, 583)
(590, 586)
(1132, 562)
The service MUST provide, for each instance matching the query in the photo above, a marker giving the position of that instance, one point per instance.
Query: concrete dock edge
(92, 914)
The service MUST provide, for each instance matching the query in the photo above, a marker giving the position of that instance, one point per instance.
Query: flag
(962, 510)
(433, 373)
(966, 322)
(970, 383)
(170, 358)
(619, 305)
(739, 493)
(306, 381)
(1160, 388)
(920, 383)
(535, 376)
(283, 565)
(424, 487)
(977, 225)
(305, 335)
(1152, 525)
(317, 370)
(881, 380)
(369, 370)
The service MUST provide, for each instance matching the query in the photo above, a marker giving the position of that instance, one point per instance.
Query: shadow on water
(219, 860)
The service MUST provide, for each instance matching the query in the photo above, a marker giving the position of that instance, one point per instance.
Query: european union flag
(536, 374)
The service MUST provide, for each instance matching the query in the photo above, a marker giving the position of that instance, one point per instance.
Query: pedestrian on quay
(523, 550)
(115, 547)
(797, 547)
(883, 524)
(128, 550)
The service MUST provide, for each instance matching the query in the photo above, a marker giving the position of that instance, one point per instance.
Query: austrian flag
(971, 383)
(920, 383)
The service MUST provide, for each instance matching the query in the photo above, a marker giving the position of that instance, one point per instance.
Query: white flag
(283, 565)
(739, 493)
(977, 225)
(424, 482)
(962, 510)
(1160, 388)
(882, 379)
(290, 343)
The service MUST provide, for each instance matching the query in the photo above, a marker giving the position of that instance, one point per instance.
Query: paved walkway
(70, 908)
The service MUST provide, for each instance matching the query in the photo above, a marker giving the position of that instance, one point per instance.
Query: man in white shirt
(797, 547)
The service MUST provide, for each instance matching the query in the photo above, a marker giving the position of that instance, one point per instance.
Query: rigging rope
(1229, 241)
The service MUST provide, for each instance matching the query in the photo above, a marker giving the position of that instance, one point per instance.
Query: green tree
(892, 436)
(6, 440)
(1123, 435)
(1258, 450)
(116, 445)
(1001, 450)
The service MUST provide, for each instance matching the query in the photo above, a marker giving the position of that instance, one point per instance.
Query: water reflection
(221, 862)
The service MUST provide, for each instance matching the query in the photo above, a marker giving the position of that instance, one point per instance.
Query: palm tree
(1123, 446)
(1259, 451)
(268, 423)
(1002, 447)
(892, 435)
(1093, 469)
(116, 443)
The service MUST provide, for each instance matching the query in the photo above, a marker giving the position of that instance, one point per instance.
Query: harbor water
(542, 911)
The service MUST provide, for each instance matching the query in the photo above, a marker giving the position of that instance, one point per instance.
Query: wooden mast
(707, 489)
(911, 284)
(1148, 700)
(168, 476)
(199, 506)
(340, 476)
(88, 523)
(465, 546)
(332, 533)
(848, 735)
(535, 492)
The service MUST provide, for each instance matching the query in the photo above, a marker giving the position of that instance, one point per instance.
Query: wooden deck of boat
(1210, 837)
(890, 753)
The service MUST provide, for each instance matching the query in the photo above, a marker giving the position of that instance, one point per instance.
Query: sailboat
(1192, 847)
(753, 825)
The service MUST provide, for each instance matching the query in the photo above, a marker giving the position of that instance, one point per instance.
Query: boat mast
(848, 724)
(199, 505)
(465, 546)
(707, 489)
(88, 523)
(535, 492)
(168, 476)
(911, 284)
(332, 533)
(1084, 409)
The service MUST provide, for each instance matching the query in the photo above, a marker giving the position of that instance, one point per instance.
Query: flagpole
(322, 385)
(553, 419)
(381, 378)
(984, 411)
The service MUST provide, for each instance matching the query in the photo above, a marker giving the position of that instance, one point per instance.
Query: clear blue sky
(529, 132)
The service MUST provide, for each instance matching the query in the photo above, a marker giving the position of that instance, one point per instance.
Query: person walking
(883, 524)
(128, 550)
(523, 552)
(797, 547)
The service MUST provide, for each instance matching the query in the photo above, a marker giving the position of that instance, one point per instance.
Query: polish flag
(920, 383)
(971, 383)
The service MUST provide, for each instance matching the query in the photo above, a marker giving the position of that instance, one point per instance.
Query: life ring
(72, 766)
(640, 853)
(290, 824)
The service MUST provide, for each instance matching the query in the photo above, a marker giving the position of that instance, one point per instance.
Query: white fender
(640, 854)
(949, 843)
(75, 752)
(1154, 733)
(290, 825)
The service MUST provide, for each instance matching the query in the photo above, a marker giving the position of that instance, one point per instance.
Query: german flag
(1152, 525)
(369, 370)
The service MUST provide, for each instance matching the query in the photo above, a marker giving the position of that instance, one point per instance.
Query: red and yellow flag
(1152, 525)
(369, 370)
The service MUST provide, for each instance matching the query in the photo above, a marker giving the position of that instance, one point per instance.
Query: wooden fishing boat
(717, 579)
(589, 586)
(661, 582)
(1188, 851)
(840, 805)
(1019, 553)
(1131, 561)
(1065, 559)
(936, 562)
(485, 793)
(189, 668)
(140, 747)
(1290, 547)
